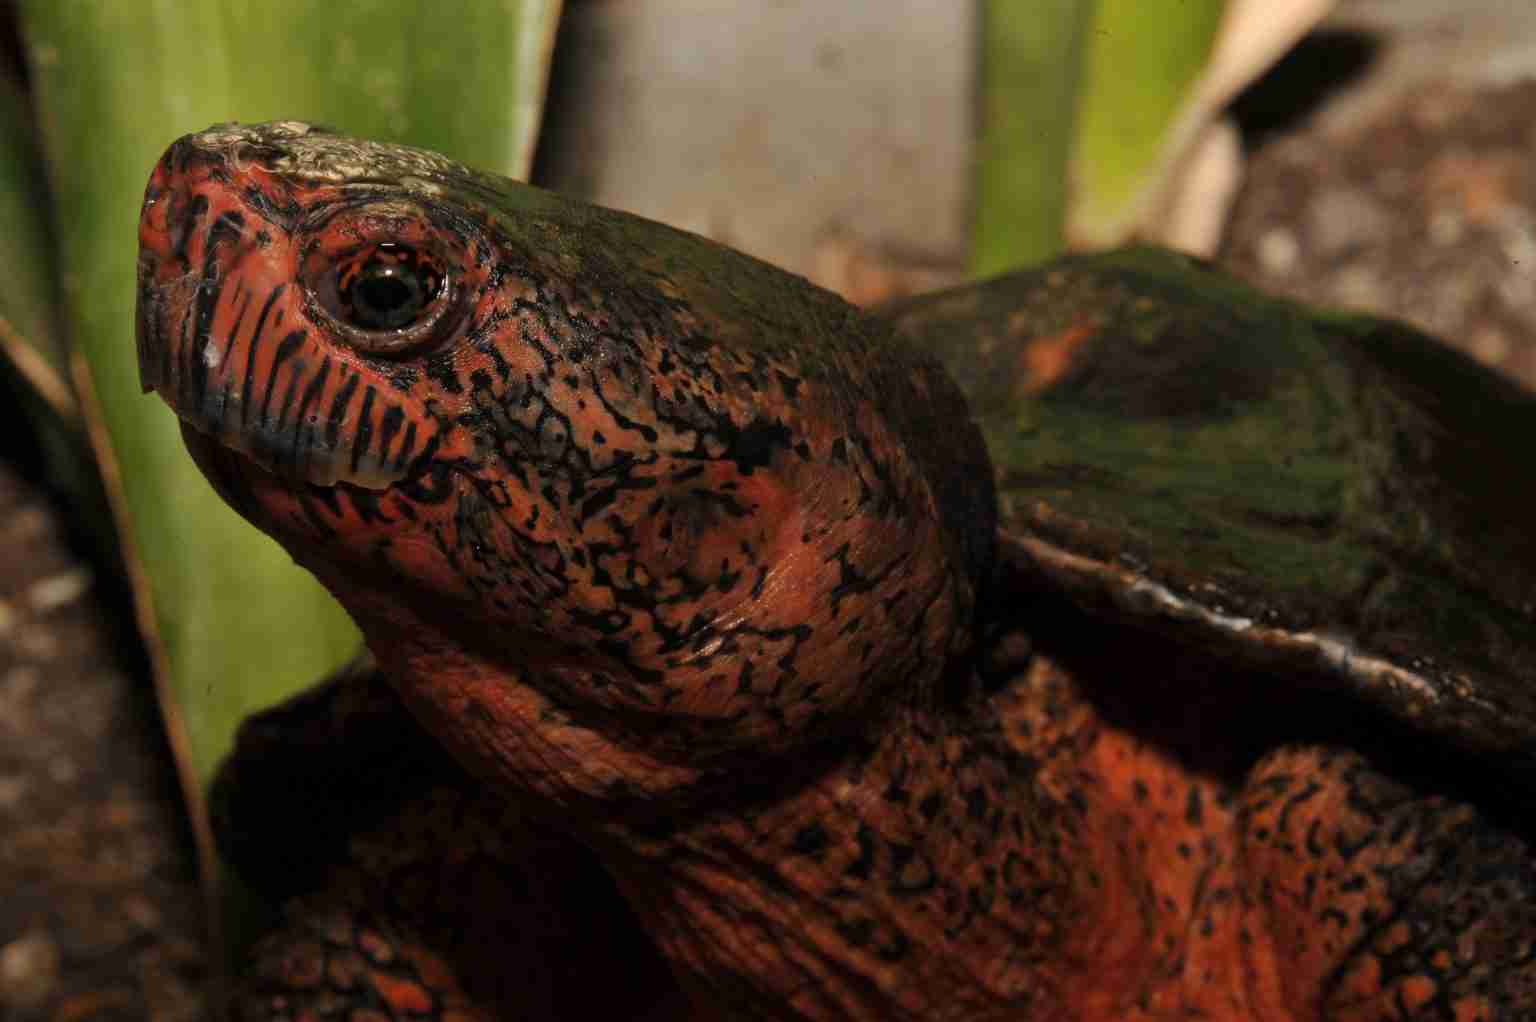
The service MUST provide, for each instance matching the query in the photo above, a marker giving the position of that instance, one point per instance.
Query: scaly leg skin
(1270, 853)
(1384, 901)
(409, 892)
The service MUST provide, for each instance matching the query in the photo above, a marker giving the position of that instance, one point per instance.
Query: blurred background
(1375, 154)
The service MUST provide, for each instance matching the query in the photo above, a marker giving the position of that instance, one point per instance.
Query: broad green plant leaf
(231, 623)
(1031, 66)
(1148, 155)
(1143, 58)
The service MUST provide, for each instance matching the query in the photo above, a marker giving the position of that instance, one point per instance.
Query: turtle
(1106, 640)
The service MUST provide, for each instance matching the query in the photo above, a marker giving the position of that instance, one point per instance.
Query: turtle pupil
(389, 291)
(385, 300)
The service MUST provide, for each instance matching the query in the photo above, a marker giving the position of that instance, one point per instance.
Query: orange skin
(692, 568)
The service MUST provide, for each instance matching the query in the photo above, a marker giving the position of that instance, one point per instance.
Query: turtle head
(618, 506)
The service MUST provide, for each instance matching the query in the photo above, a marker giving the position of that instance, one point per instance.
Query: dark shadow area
(557, 154)
(20, 445)
(13, 64)
(1316, 68)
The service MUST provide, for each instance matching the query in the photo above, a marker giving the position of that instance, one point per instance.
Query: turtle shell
(1338, 499)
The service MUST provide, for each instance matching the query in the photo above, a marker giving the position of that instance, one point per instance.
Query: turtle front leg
(408, 891)
(333, 959)
(1386, 898)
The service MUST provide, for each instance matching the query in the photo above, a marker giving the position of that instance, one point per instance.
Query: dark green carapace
(1328, 493)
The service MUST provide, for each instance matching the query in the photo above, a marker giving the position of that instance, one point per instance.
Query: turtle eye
(385, 281)
(387, 287)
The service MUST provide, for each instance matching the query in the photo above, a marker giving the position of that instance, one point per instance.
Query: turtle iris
(386, 287)
(383, 297)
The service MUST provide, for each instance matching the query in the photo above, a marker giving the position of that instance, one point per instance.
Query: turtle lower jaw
(264, 498)
(300, 455)
(240, 481)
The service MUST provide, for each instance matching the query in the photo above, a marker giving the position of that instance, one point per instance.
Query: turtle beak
(223, 338)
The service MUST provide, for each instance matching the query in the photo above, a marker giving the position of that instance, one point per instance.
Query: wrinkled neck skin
(921, 875)
(911, 869)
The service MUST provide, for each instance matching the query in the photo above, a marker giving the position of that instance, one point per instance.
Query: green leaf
(232, 624)
(1143, 58)
(1032, 56)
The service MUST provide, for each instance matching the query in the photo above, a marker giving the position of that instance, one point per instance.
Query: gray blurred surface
(1472, 42)
(806, 133)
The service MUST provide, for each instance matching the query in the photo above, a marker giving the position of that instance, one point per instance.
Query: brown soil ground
(100, 917)
(1424, 210)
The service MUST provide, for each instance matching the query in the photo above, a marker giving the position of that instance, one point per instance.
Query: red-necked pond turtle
(1103, 641)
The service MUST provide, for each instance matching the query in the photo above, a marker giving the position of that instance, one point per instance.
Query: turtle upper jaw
(299, 455)
(303, 449)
